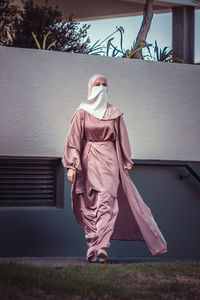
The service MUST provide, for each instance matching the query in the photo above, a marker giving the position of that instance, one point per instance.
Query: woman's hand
(71, 174)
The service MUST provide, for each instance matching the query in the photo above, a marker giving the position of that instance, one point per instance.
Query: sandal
(102, 255)
(91, 258)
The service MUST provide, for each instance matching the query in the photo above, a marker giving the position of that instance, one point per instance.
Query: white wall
(39, 91)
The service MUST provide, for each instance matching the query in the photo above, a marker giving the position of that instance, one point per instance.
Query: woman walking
(97, 156)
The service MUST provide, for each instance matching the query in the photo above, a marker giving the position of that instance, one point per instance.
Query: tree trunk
(146, 23)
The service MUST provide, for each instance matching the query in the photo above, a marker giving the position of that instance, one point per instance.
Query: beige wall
(39, 91)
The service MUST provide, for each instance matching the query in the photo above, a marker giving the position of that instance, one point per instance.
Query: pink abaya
(105, 201)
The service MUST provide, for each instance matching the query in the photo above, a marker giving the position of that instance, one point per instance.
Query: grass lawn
(101, 281)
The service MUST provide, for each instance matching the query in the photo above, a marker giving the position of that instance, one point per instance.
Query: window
(31, 182)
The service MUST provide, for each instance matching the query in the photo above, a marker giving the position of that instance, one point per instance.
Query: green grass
(133, 281)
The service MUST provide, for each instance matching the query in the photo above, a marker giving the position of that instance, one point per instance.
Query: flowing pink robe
(99, 151)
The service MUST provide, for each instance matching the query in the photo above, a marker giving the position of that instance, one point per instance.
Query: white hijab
(96, 102)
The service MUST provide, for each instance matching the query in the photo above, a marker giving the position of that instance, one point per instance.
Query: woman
(105, 201)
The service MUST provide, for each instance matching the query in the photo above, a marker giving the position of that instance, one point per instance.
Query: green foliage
(43, 21)
(136, 48)
(44, 41)
(163, 55)
(158, 54)
(112, 50)
(8, 21)
(30, 28)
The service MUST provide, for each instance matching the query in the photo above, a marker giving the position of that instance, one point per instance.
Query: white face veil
(96, 102)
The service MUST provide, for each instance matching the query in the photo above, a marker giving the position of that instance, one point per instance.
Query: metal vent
(27, 182)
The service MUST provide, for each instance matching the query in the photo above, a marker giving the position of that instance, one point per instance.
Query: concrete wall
(39, 91)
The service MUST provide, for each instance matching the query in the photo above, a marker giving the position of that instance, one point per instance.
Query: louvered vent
(27, 182)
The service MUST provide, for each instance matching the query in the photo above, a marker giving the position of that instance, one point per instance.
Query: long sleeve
(72, 148)
(124, 144)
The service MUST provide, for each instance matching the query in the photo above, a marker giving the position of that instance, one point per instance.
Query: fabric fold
(142, 213)
(71, 155)
(124, 144)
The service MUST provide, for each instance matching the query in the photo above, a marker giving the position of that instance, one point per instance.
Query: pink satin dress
(98, 184)
(105, 201)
